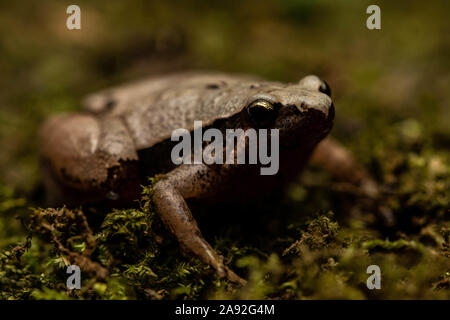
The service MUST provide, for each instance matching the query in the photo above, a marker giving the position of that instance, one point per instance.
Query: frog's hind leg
(85, 157)
(333, 157)
(336, 159)
(188, 181)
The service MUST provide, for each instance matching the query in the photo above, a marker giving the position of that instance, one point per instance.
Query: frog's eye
(262, 112)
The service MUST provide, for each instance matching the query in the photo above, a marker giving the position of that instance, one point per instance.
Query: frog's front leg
(188, 181)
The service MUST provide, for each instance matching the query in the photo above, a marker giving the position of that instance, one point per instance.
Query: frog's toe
(233, 277)
(225, 272)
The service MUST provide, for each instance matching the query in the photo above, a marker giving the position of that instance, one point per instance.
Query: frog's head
(303, 113)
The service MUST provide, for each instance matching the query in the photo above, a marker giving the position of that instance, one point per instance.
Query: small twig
(82, 260)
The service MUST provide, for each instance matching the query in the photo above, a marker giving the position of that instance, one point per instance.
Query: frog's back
(152, 109)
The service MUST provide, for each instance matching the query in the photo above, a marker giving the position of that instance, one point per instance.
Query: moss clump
(71, 236)
(16, 278)
(393, 246)
(320, 233)
(129, 255)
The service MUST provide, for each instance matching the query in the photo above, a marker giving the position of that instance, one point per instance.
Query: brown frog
(124, 136)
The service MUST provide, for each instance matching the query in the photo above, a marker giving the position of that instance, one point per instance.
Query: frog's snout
(312, 82)
(319, 102)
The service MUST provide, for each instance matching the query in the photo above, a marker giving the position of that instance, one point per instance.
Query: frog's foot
(224, 272)
(233, 277)
(169, 197)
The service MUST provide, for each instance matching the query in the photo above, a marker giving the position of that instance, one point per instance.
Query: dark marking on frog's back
(110, 104)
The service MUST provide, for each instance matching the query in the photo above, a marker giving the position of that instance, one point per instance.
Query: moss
(399, 245)
(320, 233)
(142, 260)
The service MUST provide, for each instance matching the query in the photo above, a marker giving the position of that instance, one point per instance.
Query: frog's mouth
(304, 126)
(331, 112)
(308, 114)
(326, 109)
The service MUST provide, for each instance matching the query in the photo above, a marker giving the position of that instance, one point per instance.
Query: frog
(123, 136)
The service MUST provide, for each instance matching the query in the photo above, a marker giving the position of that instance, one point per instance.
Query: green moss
(386, 245)
(320, 233)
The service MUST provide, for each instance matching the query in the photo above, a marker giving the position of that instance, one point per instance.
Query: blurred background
(390, 88)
